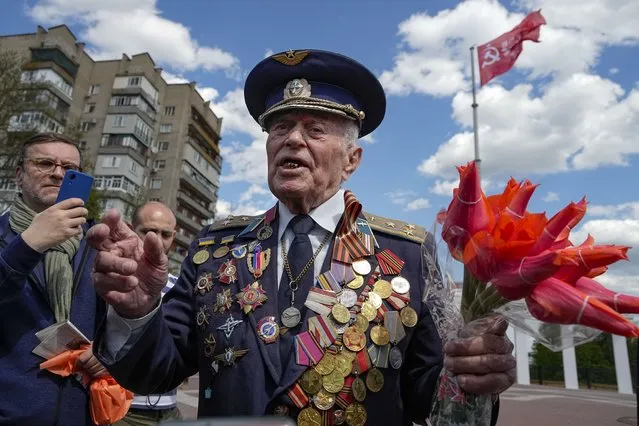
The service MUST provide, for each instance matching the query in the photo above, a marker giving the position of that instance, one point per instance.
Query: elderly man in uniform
(312, 310)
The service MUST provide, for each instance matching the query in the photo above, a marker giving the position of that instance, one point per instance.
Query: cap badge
(291, 57)
(298, 88)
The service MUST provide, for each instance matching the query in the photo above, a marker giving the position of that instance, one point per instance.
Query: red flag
(499, 55)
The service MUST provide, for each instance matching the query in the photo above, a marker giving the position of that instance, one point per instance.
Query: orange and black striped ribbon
(348, 247)
(389, 262)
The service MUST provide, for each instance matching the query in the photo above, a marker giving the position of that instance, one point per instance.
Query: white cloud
(116, 26)
(627, 284)
(583, 122)
(236, 117)
(171, 78)
(613, 71)
(418, 204)
(551, 196)
(225, 208)
(254, 190)
(400, 196)
(444, 187)
(208, 93)
(625, 210)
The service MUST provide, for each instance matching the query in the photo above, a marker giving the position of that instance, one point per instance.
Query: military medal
(221, 252)
(326, 364)
(239, 251)
(395, 358)
(264, 233)
(361, 322)
(227, 272)
(359, 389)
(251, 297)
(204, 284)
(362, 266)
(202, 316)
(311, 381)
(356, 283)
(369, 311)
(408, 316)
(333, 382)
(324, 400)
(340, 313)
(400, 285)
(343, 364)
(230, 355)
(268, 329)
(375, 300)
(201, 256)
(347, 297)
(379, 335)
(354, 339)
(356, 414)
(229, 326)
(383, 288)
(291, 317)
(339, 417)
(309, 417)
(206, 241)
(223, 301)
(374, 380)
(209, 346)
(257, 260)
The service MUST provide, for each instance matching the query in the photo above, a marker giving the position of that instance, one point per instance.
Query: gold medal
(361, 322)
(340, 313)
(311, 382)
(375, 300)
(326, 364)
(348, 354)
(201, 256)
(354, 339)
(383, 288)
(324, 400)
(221, 252)
(264, 232)
(359, 389)
(374, 380)
(368, 311)
(356, 283)
(380, 335)
(309, 417)
(408, 316)
(356, 414)
(334, 382)
(343, 364)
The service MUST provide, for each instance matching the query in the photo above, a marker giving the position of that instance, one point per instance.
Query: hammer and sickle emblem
(491, 55)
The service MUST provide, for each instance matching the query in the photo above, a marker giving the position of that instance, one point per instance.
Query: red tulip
(555, 301)
(517, 280)
(579, 261)
(499, 202)
(519, 202)
(622, 303)
(566, 218)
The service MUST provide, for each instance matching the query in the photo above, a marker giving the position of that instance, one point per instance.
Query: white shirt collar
(326, 215)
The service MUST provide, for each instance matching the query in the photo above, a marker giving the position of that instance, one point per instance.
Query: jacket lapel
(269, 352)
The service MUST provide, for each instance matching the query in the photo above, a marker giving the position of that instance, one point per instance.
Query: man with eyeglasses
(147, 410)
(45, 279)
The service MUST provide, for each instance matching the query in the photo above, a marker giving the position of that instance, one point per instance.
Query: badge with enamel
(227, 272)
(204, 284)
(223, 301)
(268, 329)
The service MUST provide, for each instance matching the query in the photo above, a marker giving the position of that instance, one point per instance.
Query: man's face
(40, 186)
(159, 219)
(307, 157)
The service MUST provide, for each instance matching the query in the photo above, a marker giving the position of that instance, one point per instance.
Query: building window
(89, 108)
(159, 164)
(157, 200)
(82, 145)
(156, 183)
(110, 162)
(119, 121)
(134, 81)
(94, 89)
(133, 167)
(86, 126)
(170, 110)
(163, 145)
(166, 128)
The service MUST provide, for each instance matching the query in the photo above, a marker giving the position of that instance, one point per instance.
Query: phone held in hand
(75, 185)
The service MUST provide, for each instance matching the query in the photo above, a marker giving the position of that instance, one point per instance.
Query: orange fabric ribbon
(109, 401)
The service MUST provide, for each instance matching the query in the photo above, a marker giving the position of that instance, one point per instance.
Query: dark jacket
(30, 396)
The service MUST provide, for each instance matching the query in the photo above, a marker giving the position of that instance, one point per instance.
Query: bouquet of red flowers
(510, 254)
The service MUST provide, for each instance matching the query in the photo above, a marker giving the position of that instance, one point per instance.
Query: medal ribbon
(307, 352)
(322, 331)
(362, 362)
(298, 396)
(345, 398)
(348, 246)
(389, 262)
(206, 241)
(393, 323)
(398, 301)
(328, 282)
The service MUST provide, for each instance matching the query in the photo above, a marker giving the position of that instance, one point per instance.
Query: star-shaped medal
(251, 297)
(223, 301)
(227, 273)
(204, 284)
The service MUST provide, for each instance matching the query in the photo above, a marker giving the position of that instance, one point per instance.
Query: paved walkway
(523, 406)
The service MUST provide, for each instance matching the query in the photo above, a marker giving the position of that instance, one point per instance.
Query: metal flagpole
(474, 105)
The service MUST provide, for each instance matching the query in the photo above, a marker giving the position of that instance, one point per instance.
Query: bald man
(152, 409)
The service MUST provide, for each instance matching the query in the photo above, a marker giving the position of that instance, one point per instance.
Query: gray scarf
(58, 270)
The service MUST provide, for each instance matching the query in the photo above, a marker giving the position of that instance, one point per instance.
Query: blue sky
(567, 116)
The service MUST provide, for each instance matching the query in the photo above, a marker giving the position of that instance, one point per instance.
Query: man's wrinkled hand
(129, 273)
(481, 357)
(89, 363)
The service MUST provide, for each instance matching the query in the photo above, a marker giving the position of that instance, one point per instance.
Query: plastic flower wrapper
(510, 254)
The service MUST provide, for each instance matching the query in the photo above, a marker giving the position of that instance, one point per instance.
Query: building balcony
(210, 138)
(188, 201)
(201, 189)
(123, 150)
(132, 109)
(135, 90)
(52, 52)
(187, 222)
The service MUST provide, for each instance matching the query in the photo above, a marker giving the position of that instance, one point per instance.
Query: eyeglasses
(46, 165)
(165, 233)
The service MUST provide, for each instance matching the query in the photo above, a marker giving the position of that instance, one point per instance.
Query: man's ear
(19, 176)
(354, 158)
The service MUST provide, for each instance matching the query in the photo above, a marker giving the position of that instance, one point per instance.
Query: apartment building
(143, 139)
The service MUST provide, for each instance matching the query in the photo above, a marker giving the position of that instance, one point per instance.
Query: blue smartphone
(75, 185)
